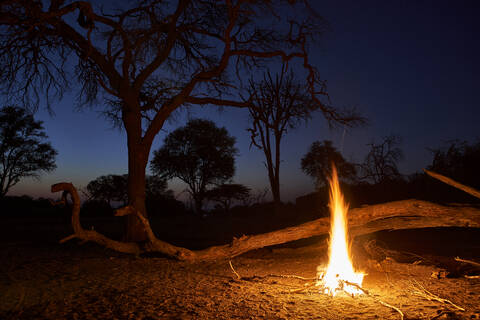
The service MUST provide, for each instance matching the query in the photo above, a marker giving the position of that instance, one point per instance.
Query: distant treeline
(458, 160)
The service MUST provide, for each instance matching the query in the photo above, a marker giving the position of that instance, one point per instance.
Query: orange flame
(340, 270)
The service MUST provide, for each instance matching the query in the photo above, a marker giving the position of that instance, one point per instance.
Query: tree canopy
(317, 163)
(146, 59)
(108, 188)
(200, 154)
(113, 187)
(225, 194)
(24, 151)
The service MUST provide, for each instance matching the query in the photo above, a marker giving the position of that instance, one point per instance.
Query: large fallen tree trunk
(407, 214)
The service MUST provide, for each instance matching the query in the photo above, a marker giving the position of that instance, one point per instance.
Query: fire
(339, 274)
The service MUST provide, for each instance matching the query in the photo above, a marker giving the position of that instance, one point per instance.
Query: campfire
(339, 274)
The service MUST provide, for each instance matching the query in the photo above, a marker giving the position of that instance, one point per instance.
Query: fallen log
(407, 214)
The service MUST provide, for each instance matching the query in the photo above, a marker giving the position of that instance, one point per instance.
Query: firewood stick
(305, 287)
(289, 276)
(233, 270)
(467, 261)
(453, 183)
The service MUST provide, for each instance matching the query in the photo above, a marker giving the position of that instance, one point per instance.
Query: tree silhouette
(108, 188)
(146, 59)
(200, 154)
(157, 187)
(113, 187)
(317, 163)
(280, 104)
(225, 194)
(23, 150)
(458, 160)
(381, 162)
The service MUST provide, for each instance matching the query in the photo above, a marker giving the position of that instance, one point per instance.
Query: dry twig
(421, 291)
(305, 287)
(467, 261)
(289, 276)
(374, 297)
(233, 270)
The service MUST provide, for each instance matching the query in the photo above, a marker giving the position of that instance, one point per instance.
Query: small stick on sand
(235, 272)
(424, 293)
(375, 298)
(305, 287)
(467, 261)
(289, 276)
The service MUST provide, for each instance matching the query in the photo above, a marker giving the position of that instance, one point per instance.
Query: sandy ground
(87, 282)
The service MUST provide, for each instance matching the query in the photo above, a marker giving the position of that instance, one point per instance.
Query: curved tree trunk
(407, 214)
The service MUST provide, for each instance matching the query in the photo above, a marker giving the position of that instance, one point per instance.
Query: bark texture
(406, 214)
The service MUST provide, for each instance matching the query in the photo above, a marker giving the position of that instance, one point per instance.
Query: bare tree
(381, 162)
(280, 104)
(145, 59)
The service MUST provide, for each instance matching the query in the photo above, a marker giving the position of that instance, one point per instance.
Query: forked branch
(90, 235)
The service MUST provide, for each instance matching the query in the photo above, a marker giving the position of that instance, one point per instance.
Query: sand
(75, 281)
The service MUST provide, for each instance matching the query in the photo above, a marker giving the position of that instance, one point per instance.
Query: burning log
(407, 214)
(340, 272)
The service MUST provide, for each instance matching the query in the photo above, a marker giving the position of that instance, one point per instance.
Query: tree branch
(472, 191)
(217, 102)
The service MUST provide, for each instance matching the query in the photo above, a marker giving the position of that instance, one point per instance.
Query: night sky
(410, 67)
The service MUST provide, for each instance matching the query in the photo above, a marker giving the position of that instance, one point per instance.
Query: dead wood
(476, 264)
(374, 297)
(379, 252)
(421, 291)
(90, 235)
(407, 214)
(472, 191)
(233, 270)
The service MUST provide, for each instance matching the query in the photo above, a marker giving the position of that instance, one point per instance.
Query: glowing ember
(340, 270)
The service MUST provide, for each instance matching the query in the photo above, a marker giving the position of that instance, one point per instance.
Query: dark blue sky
(410, 67)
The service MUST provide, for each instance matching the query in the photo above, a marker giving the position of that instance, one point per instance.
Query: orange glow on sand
(340, 271)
